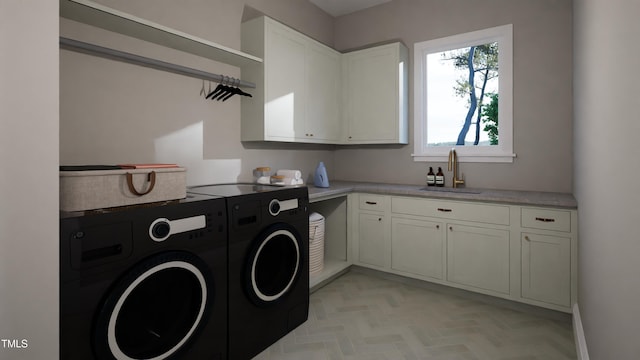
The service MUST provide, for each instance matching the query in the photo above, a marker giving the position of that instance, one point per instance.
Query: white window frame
(503, 152)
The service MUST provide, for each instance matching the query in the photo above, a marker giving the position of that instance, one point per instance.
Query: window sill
(502, 158)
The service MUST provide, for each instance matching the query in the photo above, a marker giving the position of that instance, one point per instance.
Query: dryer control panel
(276, 206)
(162, 228)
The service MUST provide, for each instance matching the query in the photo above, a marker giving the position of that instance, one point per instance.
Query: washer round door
(155, 309)
(274, 264)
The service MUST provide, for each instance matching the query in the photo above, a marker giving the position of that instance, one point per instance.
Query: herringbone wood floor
(363, 316)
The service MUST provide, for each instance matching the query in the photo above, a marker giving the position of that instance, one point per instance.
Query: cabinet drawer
(546, 219)
(492, 214)
(372, 202)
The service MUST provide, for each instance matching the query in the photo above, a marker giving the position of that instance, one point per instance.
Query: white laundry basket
(316, 243)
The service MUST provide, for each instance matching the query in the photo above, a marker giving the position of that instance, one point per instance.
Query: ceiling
(343, 7)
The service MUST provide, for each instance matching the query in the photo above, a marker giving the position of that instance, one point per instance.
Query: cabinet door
(372, 95)
(371, 239)
(285, 89)
(323, 94)
(478, 257)
(546, 268)
(417, 247)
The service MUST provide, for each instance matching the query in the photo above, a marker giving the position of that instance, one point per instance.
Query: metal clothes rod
(80, 46)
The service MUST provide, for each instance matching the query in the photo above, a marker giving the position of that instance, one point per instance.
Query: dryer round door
(274, 264)
(156, 309)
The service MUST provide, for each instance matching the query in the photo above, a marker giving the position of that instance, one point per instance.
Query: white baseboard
(578, 335)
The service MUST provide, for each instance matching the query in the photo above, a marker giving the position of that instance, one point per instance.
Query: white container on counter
(262, 175)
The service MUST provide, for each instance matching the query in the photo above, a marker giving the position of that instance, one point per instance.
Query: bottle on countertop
(320, 178)
(439, 177)
(431, 177)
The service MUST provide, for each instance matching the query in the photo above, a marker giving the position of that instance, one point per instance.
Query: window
(462, 87)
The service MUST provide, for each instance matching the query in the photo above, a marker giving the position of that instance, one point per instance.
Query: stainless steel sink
(451, 190)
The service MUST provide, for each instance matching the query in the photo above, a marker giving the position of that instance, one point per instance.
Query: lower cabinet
(514, 252)
(546, 268)
(418, 247)
(548, 252)
(372, 239)
(478, 257)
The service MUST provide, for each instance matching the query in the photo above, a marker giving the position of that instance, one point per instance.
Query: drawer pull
(526, 237)
(371, 203)
(444, 210)
(545, 219)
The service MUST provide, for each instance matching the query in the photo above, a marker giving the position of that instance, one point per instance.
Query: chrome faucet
(453, 165)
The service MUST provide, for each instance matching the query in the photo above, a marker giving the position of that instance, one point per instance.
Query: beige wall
(113, 112)
(29, 137)
(29, 178)
(541, 84)
(163, 108)
(606, 131)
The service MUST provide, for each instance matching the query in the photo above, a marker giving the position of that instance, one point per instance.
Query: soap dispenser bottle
(431, 177)
(320, 178)
(440, 177)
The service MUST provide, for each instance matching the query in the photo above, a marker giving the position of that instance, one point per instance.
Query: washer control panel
(276, 206)
(161, 228)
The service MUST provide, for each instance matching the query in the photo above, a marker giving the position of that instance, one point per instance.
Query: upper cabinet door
(297, 99)
(375, 97)
(323, 89)
(285, 83)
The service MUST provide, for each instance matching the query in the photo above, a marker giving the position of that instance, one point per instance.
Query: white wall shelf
(91, 13)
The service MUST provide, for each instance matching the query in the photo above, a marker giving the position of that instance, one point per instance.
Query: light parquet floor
(364, 316)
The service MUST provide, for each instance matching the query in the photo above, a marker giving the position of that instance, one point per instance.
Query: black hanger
(223, 91)
(217, 90)
(236, 91)
(233, 90)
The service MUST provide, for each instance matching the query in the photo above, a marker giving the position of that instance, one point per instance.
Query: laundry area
(317, 179)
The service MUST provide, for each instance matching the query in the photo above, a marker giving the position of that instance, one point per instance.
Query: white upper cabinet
(308, 92)
(324, 90)
(285, 89)
(298, 86)
(375, 95)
